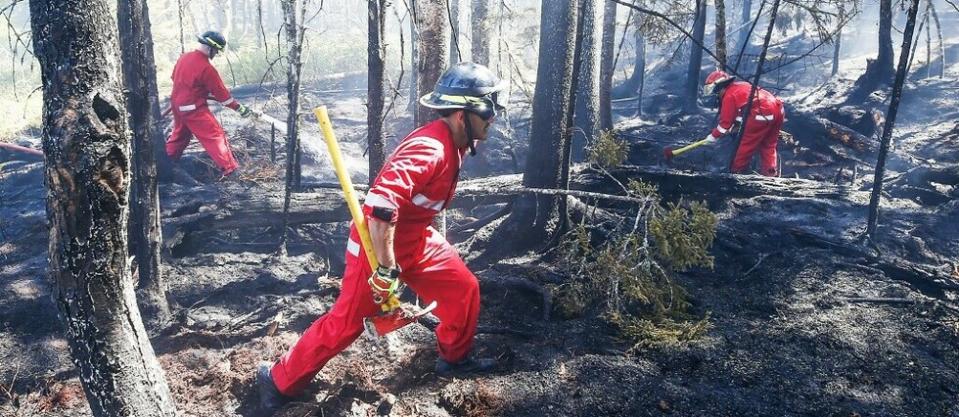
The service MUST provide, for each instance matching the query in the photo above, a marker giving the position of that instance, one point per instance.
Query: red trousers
(203, 125)
(431, 268)
(762, 135)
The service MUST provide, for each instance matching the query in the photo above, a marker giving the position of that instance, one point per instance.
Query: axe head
(385, 323)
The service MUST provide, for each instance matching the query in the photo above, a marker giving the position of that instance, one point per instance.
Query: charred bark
(482, 28)
(432, 49)
(837, 42)
(88, 176)
(294, 40)
(942, 51)
(376, 57)
(139, 73)
(743, 22)
(587, 90)
(879, 72)
(606, 67)
(907, 33)
(549, 135)
(721, 34)
(454, 18)
(691, 90)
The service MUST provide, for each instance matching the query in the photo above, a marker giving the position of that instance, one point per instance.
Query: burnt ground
(806, 321)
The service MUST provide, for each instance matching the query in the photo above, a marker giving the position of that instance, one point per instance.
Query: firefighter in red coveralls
(194, 81)
(416, 182)
(762, 129)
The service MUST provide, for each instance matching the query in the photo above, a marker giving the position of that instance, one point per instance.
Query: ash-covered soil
(806, 319)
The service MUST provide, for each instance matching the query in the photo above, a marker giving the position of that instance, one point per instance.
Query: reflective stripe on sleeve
(424, 202)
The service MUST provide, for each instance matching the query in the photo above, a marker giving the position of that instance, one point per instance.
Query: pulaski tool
(393, 314)
(669, 152)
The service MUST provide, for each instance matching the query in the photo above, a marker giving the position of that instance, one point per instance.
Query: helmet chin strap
(469, 133)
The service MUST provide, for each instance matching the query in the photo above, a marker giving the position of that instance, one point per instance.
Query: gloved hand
(244, 111)
(709, 140)
(385, 284)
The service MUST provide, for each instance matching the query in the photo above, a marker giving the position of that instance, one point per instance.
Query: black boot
(271, 399)
(467, 366)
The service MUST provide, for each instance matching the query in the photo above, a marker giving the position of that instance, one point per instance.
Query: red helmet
(716, 80)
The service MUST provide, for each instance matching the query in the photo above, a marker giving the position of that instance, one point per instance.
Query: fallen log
(825, 136)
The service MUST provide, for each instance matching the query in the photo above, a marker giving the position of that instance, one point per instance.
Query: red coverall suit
(417, 181)
(194, 80)
(762, 130)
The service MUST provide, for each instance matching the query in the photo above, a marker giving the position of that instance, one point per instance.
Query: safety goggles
(488, 106)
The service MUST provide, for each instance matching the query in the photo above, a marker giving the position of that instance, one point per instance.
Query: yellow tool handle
(348, 192)
(693, 145)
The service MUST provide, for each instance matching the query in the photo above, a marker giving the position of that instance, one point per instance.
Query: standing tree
(744, 23)
(588, 68)
(139, 73)
(88, 177)
(837, 40)
(691, 91)
(907, 33)
(546, 164)
(879, 72)
(433, 50)
(606, 67)
(375, 63)
(293, 12)
(454, 16)
(721, 34)
(482, 28)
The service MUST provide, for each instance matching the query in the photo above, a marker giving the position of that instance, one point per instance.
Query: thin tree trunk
(482, 27)
(606, 67)
(587, 90)
(140, 78)
(721, 34)
(915, 47)
(376, 57)
(87, 175)
(746, 11)
(942, 51)
(928, 42)
(294, 40)
(886, 55)
(433, 49)
(414, 61)
(549, 130)
(691, 91)
(837, 41)
(639, 71)
(454, 17)
(759, 72)
(907, 34)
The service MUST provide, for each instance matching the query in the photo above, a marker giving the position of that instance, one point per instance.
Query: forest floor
(805, 321)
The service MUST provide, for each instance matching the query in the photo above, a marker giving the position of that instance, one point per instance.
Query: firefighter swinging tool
(393, 314)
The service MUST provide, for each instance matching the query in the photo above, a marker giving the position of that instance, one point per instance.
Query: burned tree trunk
(375, 62)
(720, 34)
(139, 73)
(454, 18)
(743, 22)
(879, 72)
(942, 51)
(549, 134)
(891, 119)
(294, 40)
(691, 91)
(587, 89)
(837, 42)
(606, 67)
(482, 28)
(433, 50)
(88, 176)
